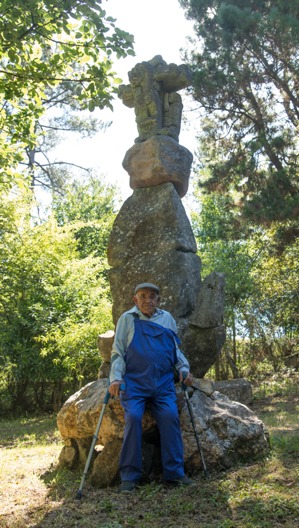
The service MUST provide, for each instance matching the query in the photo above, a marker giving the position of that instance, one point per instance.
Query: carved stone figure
(152, 241)
(152, 94)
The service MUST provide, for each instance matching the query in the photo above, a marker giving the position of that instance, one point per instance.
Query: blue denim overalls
(149, 378)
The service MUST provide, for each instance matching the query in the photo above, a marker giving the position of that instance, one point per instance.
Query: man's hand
(186, 378)
(114, 388)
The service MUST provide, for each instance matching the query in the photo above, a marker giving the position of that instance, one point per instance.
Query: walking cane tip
(79, 495)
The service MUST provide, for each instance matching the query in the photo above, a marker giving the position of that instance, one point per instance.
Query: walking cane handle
(184, 386)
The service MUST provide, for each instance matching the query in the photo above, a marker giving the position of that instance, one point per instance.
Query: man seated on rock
(144, 354)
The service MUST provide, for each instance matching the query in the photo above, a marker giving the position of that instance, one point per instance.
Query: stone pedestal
(105, 342)
(228, 431)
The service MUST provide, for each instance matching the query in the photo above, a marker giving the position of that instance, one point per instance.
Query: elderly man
(144, 355)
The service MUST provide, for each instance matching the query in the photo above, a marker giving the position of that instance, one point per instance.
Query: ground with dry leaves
(34, 493)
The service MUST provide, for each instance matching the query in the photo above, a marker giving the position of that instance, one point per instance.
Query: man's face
(147, 300)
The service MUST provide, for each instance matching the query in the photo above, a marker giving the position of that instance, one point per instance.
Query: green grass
(283, 384)
(28, 431)
(35, 493)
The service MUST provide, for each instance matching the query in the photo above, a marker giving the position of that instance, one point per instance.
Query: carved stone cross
(152, 93)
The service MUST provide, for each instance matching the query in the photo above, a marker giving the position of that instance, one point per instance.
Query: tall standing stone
(152, 240)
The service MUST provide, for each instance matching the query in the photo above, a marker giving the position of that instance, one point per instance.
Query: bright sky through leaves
(159, 28)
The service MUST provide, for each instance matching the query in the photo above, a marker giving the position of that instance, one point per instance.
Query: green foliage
(223, 249)
(281, 384)
(245, 65)
(88, 208)
(245, 70)
(54, 298)
(54, 301)
(46, 44)
(277, 275)
(261, 287)
(84, 312)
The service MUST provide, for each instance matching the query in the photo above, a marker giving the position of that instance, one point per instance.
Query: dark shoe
(127, 486)
(181, 481)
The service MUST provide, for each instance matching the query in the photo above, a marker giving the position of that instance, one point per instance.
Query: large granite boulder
(158, 160)
(228, 431)
(238, 389)
(152, 241)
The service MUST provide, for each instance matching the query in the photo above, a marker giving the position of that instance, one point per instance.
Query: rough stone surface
(239, 390)
(104, 370)
(78, 417)
(209, 309)
(152, 241)
(150, 220)
(204, 336)
(152, 93)
(204, 385)
(228, 432)
(105, 342)
(203, 346)
(105, 467)
(159, 160)
(69, 456)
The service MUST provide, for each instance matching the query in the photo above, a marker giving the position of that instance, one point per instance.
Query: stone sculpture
(153, 94)
(229, 432)
(152, 241)
(157, 157)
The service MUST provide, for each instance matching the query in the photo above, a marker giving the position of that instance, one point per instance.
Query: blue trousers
(147, 382)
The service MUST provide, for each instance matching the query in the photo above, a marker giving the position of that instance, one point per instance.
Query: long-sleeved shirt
(124, 334)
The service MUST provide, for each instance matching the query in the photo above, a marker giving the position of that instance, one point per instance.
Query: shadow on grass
(232, 499)
(245, 496)
(153, 505)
